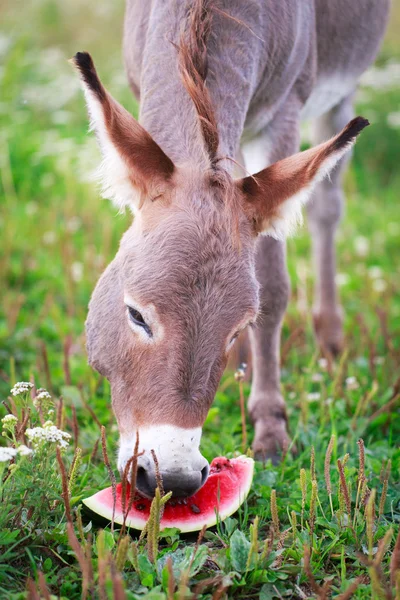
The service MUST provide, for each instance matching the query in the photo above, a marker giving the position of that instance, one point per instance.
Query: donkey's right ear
(133, 166)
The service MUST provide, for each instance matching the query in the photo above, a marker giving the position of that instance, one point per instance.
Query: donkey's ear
(133, 166)
(273, 198)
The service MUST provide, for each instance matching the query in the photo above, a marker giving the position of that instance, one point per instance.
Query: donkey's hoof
(271, 441)
(328, 328)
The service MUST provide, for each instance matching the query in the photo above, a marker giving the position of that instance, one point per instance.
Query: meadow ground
(57, 235)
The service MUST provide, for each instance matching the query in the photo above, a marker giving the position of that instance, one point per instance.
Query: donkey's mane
(193, 65)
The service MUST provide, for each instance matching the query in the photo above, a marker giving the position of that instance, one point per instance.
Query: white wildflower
(43, 395)
(361, 245)
(7, 454)
(49, 237)
(31, 208)
(375, 272)
(323, 363)
(21, 388)
(73, 224)
(9, 422)
(342, 279)
(317, 377)
(48, 433)
(24, 450)
(393, 228)
(313, 396)
(393, 119)
(379, 285)
(352, 383)
(9, 419)
(77, 271)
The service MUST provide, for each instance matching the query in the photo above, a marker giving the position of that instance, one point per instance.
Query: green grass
(57, 235)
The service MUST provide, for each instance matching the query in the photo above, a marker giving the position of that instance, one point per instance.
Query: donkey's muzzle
(181, 483)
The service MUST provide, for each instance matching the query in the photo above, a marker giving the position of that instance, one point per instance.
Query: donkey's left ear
(273, 198)
(133, 166)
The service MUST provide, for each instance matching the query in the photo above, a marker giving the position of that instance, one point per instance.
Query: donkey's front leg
(324, 213)
(266, 405)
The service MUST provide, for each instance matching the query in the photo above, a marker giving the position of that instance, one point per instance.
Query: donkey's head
(182, 287)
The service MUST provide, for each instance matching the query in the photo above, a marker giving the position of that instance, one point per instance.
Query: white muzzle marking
(176, 448)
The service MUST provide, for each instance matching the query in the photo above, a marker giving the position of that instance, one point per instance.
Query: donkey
(204, 258)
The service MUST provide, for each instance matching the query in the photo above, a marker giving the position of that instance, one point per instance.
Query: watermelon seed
(194, 508)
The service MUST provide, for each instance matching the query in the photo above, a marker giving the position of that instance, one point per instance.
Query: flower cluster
(42, 400)
(49, 433)
(9, 422)
(352, 383)
(7, 454)
(21, 388)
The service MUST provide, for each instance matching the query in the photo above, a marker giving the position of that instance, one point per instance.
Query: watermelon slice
(225, 490)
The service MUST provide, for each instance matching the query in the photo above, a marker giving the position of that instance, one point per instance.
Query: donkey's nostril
(143, 484)
(204, 474)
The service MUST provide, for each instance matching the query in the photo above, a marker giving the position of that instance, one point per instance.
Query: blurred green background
(57, 234)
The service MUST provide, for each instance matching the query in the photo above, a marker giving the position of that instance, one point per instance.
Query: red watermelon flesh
(225, 490)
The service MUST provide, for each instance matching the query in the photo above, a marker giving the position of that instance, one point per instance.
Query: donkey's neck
(167, 111)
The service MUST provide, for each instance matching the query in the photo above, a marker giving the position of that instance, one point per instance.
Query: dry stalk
(171, 579)
(344, 488)
(79, 523)
(327, 472)
(64, 484)
(388, 407)
(94, 451)
(73, 471)
(338, 382)
(303, 487)
(46, 366)
(66, 353)
(274, 512)
(82, 559)
(385, 488)
(369, 518)
(75, 427)
(158, 474)
(32, 593)
(294, 524)
(60, 415)
(395, 566)
(44, 591)
(312, 464)
(351, 589)
(253, 552)
(280, 545)
(110, 473)
(117, 586)
(361, 479)
(267, 547)
(122, 552)
(313, 506)
(239, 376)
(316, 588)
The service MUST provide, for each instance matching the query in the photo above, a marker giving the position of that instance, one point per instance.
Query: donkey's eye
(233, 340)
(136, 318)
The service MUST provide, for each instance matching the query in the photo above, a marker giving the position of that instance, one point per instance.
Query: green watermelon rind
(196, 521)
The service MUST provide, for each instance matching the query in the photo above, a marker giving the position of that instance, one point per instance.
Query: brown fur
(148, 163)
